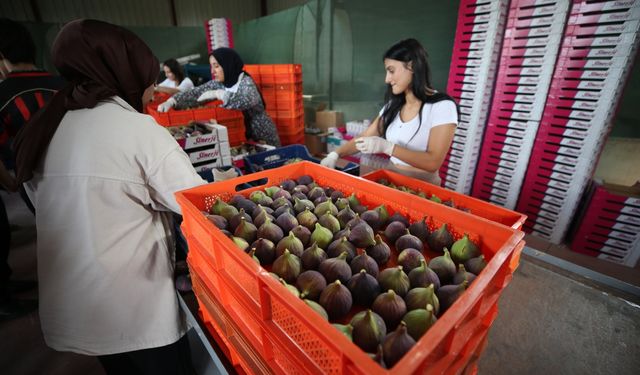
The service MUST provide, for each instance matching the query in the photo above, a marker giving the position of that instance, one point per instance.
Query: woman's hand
(330, 160)
(166, 106)
(374, 145)
(210, 95)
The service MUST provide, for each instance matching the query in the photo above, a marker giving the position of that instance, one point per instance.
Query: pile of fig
(367, 272)
(421, 194)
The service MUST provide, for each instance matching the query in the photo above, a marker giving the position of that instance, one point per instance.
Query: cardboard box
(328, 119)
(316, 143)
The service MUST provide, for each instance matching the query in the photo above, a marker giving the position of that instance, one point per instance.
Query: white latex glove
(166, 106)
(210, 95)
(374, 145)
(330, 160)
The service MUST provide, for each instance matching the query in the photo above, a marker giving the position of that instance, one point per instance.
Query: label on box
(219, 150)
(219, 162)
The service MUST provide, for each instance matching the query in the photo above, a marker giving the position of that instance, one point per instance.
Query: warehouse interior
(569, 305)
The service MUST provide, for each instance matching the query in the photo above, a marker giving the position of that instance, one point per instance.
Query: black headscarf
(231, 64)
(99, 60)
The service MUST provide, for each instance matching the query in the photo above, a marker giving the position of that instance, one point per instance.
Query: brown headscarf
(99, 60)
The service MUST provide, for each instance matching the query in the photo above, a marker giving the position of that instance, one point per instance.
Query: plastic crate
(276, 158)
(290, 337)
(161, 118)
(476, 206)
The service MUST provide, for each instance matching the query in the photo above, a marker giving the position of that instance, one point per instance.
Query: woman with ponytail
(415, 127)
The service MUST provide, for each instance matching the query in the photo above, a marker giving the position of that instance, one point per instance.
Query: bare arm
(440, 139)
(167, 90)
(349, 148)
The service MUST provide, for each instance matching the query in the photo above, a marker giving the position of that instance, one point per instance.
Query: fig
(307, 219)
(355, 221)
(360, 209)
(342, 203)
(282, 210)
(292, 243)
(289, 287)
(383, 214)
(336, 299)
(369, 330)
(325, 206)
(372, 217)
(448, 294)
(258, 210)
(420, 229)
(330, 222)
(409, 259)
(365, 262)
(310, 284)
(435, 198)
(282, 194)
(353, 200)
(362, 236)
(394, 230)
(252, 254)
(399, 218)
(265, 250)
(218, 206)
(301, 204)
(380, 251)
(259, 197)
(280, 202)
(407, 241)
(287, 266)
(218, 221)
(396, 344)
(419, 321)
(246, 230)
(321, 199)
(228, 211)
(345, 216)
(475, 265)
(271, 190)
(235, 220)
(335, 195)
(304, 180)
(418, 298)
(422, 276)
(322, 236)
(364, 288)
(464, 249)
(444, 267)
(288, 184)
(287, 222)
(312, 257)
(394, 279)
(343, 233)
(391, 307)
(246, 204)
(261, 217)
(317, 308)
(463, 275)
(345, 329)
(240, 242)
(335, 269)
(301, 189)
(226, 233)
(378, 357)
(315, 193)
(302, 233)
(340, 246)
(440, 239)
(299, 195)
(235, 199)
(270, 231)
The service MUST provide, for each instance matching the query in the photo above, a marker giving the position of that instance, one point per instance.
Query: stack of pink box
(598, 48)
(610, 226)
(529, 52)
(471, 77)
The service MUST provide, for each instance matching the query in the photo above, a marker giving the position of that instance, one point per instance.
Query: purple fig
(400, 218)
(475, 265)
(409, 259)
(420, 229)
(380, 251)
(336, 269)
(365, 262)
(287, 222)
(292, 243)
(396, 344)
(364, 288)
(394, 230)
(310, 284)
(287, 266)
(312, 257)
(340, 246)
(395, 279)
(218, 221)
(372, 217)
(448, 294)
(440, 239)
(444, 267)
(407, 241)
(304, 180)
(391, 307)
(362, 236)
(368, 330)
(422, 276)
(307, 219)
(336, 300)
(302, 233)
(462, 275)
(265, 250)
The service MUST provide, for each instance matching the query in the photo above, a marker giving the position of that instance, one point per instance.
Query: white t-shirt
(433, 114)
(185, 85)
(103, 195)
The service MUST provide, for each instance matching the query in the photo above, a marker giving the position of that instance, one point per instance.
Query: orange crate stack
(281, 87)
(281, 332)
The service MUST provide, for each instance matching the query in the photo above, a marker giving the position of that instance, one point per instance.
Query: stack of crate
(471, 78)
(598, 49)
(529, 51)
(281, 87)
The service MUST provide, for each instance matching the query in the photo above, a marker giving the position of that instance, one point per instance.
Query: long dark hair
(409, 51)
(176, 69)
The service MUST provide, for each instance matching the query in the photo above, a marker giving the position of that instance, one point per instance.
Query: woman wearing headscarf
(236, 89)
(102, 176)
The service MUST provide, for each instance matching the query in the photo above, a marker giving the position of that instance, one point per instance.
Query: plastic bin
(476, 206)
(276, 158)
(292, 339)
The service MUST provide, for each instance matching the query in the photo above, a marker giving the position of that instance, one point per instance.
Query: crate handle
(259, 182)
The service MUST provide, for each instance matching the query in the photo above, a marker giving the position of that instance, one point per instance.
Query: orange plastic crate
(297, 339)
(161, 118)
(290, 122)
(279, 68)
(278, 89)
(180, 117)
(476, 206)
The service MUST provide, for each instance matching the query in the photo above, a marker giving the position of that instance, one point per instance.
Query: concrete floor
(550, 322)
